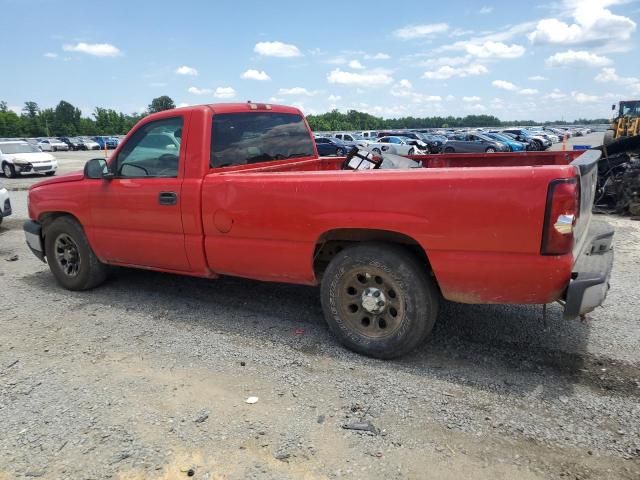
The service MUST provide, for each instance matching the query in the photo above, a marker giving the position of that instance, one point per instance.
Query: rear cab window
(251, 137)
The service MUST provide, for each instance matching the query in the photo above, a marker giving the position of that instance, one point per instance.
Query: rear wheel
(378, 300)
(8, 170)
(490, 150)
(70, 258)
(449, 150)
(339, 152)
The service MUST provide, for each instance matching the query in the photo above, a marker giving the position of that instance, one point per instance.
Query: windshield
(240, 138)
(11, 148)
(497, 136)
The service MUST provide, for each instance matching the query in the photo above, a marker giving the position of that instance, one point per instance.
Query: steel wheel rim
(7, 171)
(67, 255)
(370, 303)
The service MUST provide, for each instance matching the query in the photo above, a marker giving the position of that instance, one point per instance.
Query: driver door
(136, 216)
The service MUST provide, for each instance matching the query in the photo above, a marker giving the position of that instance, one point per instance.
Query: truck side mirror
(97, 168)
(613, 107)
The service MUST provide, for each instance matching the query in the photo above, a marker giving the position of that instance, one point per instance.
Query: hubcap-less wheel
(370, 303)
(7, 170)
(339, 152)
(490, 150)
(66, 254)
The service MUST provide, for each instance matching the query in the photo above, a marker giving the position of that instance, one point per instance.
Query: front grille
(40, 169)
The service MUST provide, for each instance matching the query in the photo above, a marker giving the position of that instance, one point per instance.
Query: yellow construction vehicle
(626, 123)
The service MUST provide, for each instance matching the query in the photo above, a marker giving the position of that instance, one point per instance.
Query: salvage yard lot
(148, 375)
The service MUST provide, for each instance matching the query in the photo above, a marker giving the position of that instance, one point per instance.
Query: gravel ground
(148, 377)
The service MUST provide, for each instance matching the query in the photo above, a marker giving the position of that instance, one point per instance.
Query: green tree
(66, 119)
(159, 104)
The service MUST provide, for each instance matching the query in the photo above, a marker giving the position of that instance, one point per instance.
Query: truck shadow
(488, 347)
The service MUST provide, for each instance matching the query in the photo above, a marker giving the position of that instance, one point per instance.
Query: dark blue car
(331, 146)
(111, 142)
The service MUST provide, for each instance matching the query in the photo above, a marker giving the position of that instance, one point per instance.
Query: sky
(516, 60)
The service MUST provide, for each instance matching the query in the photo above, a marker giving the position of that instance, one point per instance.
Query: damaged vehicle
(22, 158)
(242, 192)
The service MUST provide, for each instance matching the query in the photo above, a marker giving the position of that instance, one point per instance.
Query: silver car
(473, 143)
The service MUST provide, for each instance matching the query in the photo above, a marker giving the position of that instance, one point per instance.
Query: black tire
(412, 151)
(349, 285)
(449, 150)
(8, 170)
(490, 150)
(50, 174)
(608, 137)
(90, 271)
(339, 152)
(54, 149)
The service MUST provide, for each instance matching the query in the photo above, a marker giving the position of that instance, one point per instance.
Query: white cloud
(609, 75)
(538, 78)
(528, 91)
(445, 61)
(583, 97)
(356, 65)
(334, 98)
(556, 94)
(404, 89)
(51, 55)
(485, 10)
(184, 70)
(252, 74)
(420, 31)
(364, 79)
(378, 56)
(297, 91)
(96, 49)
(446, 72)
(224, 92)
(460, 32)
(200, 91)
(471, 99)
(594, 24)
(491, 49)
(582, 57)
(504, 85)
(277, 49)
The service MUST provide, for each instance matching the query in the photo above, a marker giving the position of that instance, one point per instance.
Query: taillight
(561, 214)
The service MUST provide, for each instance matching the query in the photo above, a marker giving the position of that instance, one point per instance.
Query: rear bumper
(589, 282)
(33, 235)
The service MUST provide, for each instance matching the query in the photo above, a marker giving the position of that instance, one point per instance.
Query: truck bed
(454, 160)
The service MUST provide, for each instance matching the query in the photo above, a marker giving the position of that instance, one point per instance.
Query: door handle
(168, 198)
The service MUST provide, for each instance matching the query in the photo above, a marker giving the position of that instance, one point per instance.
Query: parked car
(396, 145)
(331, 146)
(384, 246)
(522, 135)
(52, 145)
(417, 138)
(513, 145)
(474, 143)
(111, 143)
(20, 158)
(368, 134)
(74, 143)
(5, 203)
(90, 144)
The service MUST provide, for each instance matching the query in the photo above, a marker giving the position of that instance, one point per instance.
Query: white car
(395, 145)
(90, 144)
(5, 203)
(52, 145)
(20, 158)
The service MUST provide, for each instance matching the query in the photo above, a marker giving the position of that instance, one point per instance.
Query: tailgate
(587, 167)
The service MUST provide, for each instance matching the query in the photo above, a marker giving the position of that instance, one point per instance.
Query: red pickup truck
(238, 189)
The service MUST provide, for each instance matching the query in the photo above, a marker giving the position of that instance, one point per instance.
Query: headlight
(20, 161)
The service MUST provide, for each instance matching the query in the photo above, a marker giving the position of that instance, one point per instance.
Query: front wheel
(339, 152)
(449, 150)
(490, 150)
(378, 299)
(70, 258)
(8, 170)
(412, 151)
(377, 151)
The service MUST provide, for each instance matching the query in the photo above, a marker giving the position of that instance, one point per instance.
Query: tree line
(354, 120)
(67, 120)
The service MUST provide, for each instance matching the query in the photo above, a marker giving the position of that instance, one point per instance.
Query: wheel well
(47, 219)
(333, 242)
